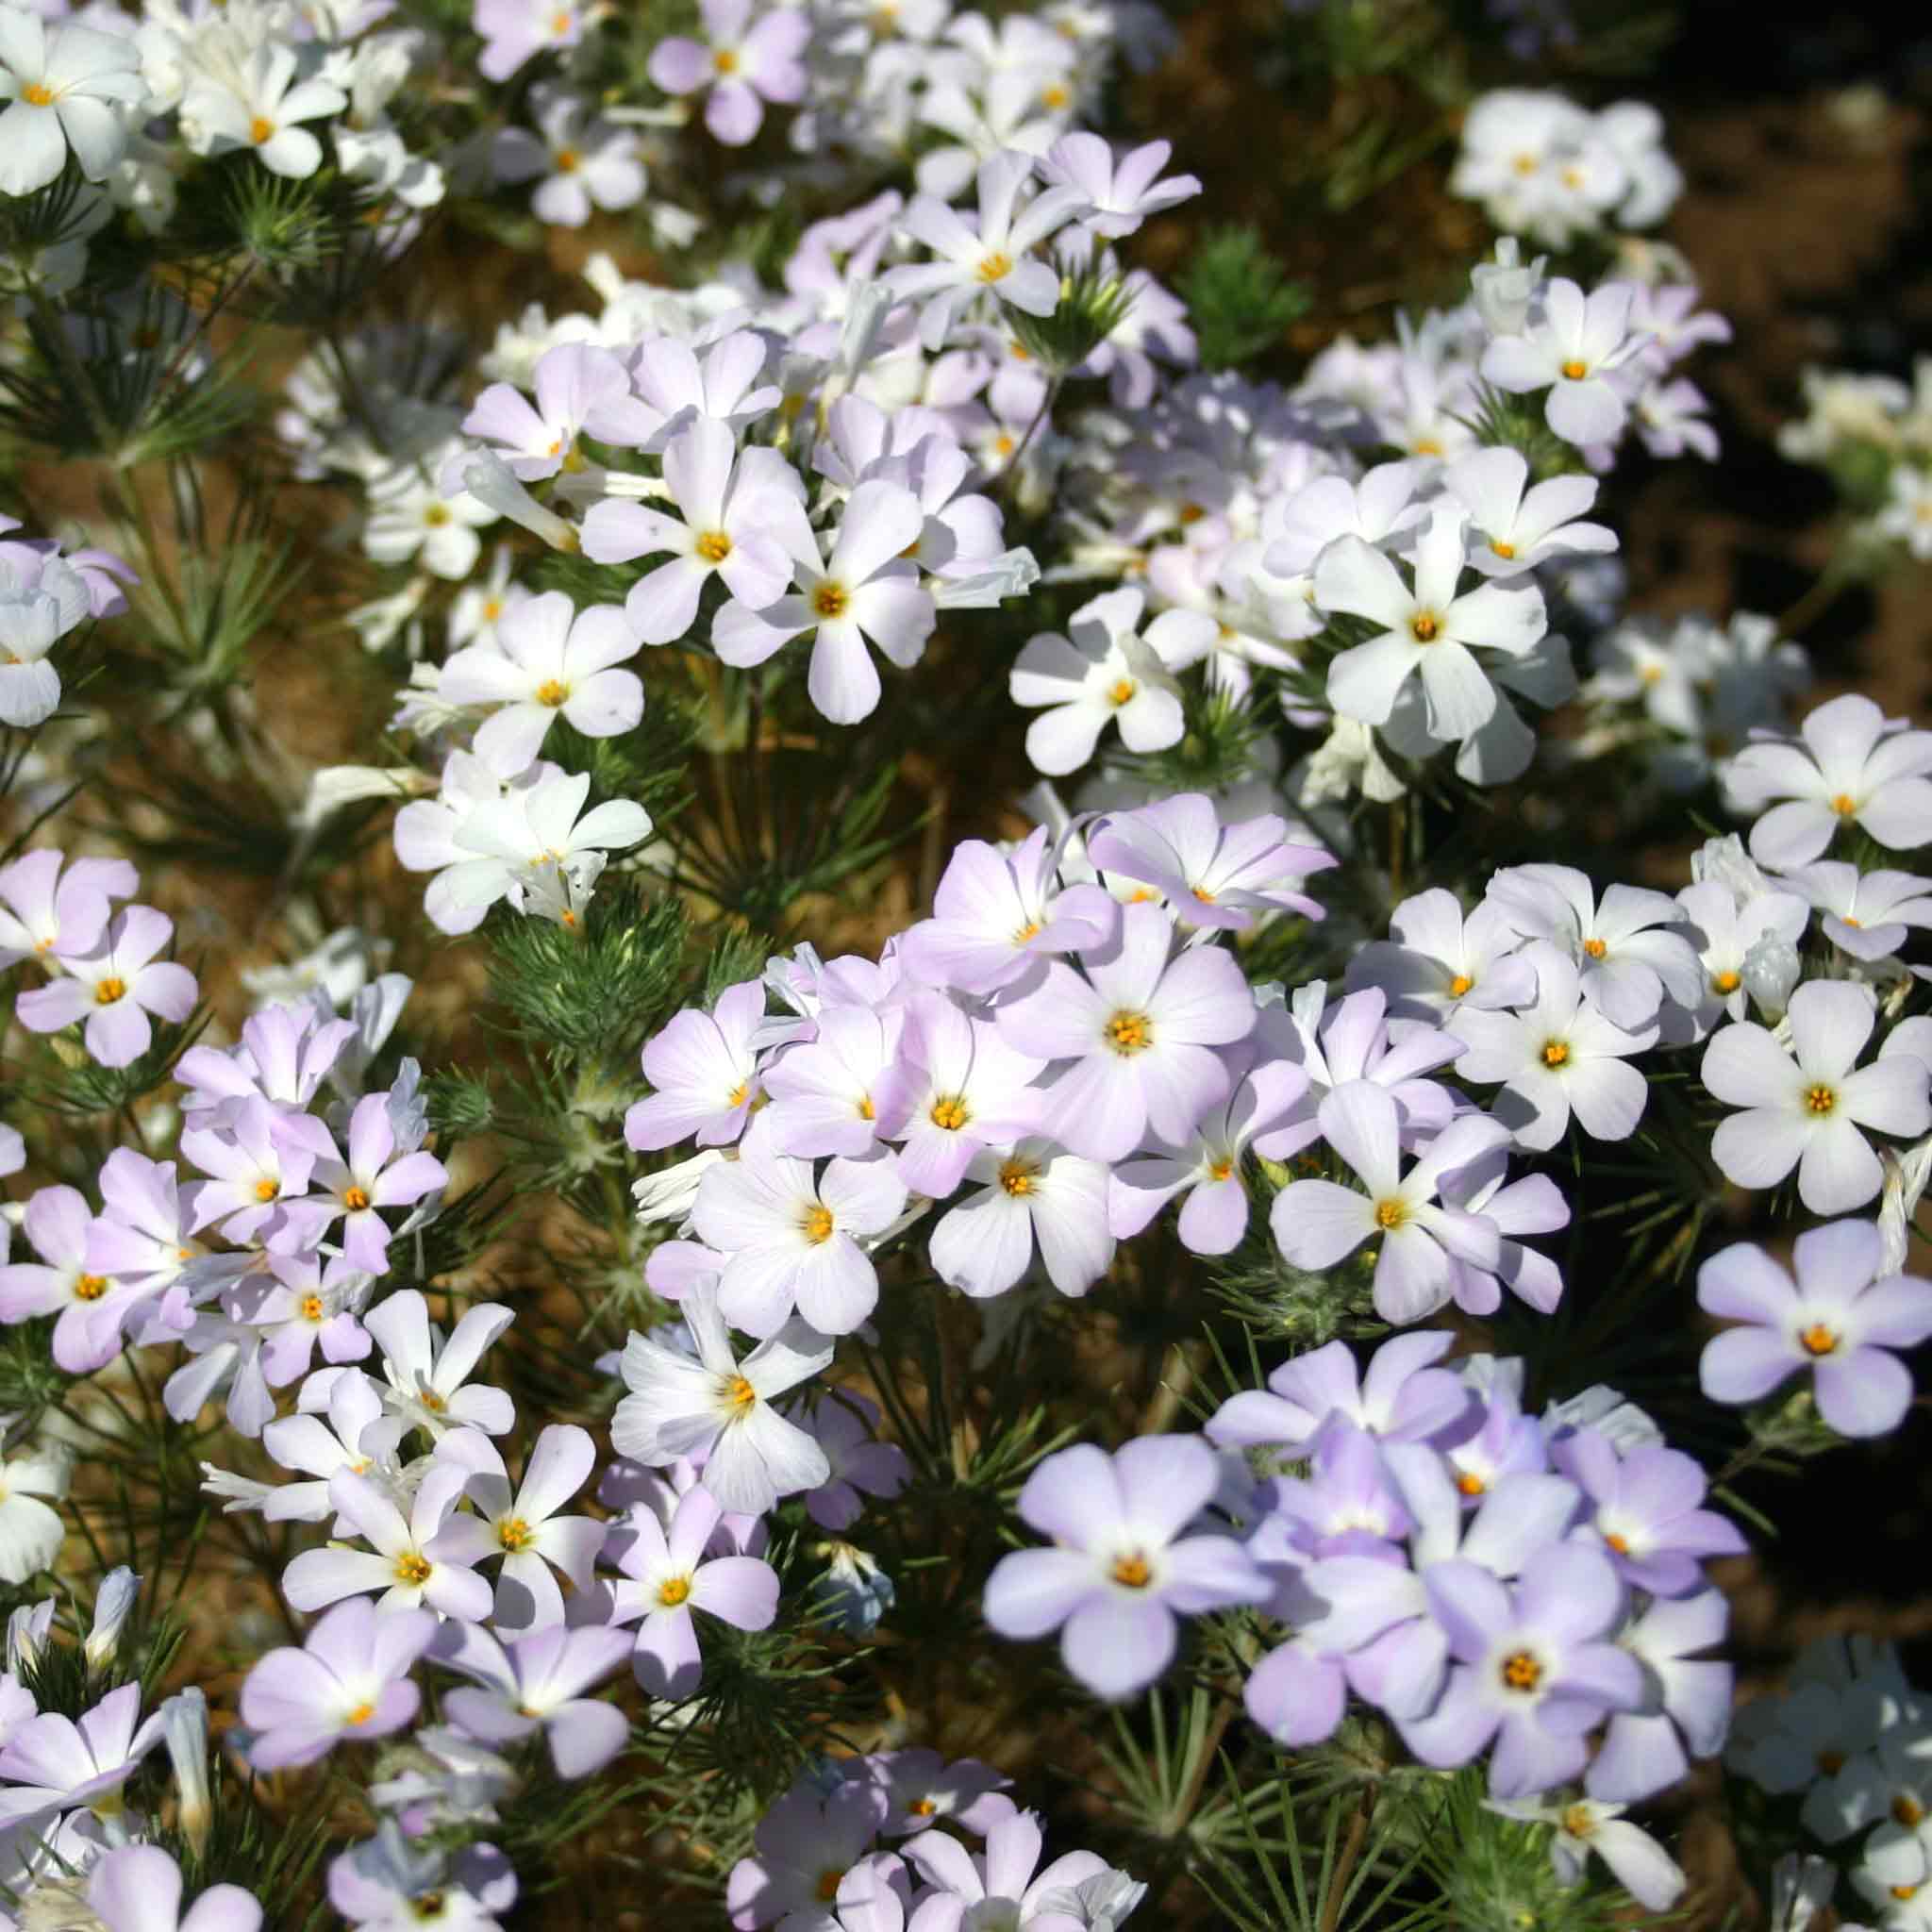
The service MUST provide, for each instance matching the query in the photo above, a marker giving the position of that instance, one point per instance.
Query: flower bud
(1770, 970)
(184, 1719)
(1502, 288)
(115, 1598)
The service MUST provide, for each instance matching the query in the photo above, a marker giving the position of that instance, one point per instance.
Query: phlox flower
(991, 254)
(1534, 1668)
(1625, 965)
(114, 987)
(809, 1857)
(1572, 351)
(1213, 874)
(722, 1409)
(357, 1436)
(791, 1240)
(842, 1092)
(53, 1764)
(525, 1528)
(259, 107)
(1851, 765)
(427, 1377)
(1119, 194)
(411, 516)
(538, 1683)
(1427, 630)
(1557, 1057)
(1137, 1035)
(1839, 1320)
(56, 1222)
(997, 915)
(1532, 1205)
(1646, 1502)
(922, 1788)
(1867, 916)
(386, 1883)
(966, 1090)
(409, 1561)
(1636, 1862)
(1122, 1568)
(1437, 959)
(865, 592)
(744, 521)
(61, 82)
(1402, 1398)
(1804, 1104)
(677, 385)
(1686, 1698)
(1103, 671)
(1892, 1870)
(1001, 1885)
(31, 1531)
(1035, 1193)
(667, 1574)
(378, 1174)
(350, 1679)
(1726, 931)
(531, 831)
(705, 1071)
(253, 1164)
(1317, 1222)
(35, 614)
(581, 390)
(744, 62)
(137, 1889)
(46, 910)
(515, 31)
(843, 1425)
(1214, 1216)
(284, 1053)
(1520, 526)
(310, 1301)
(549, 660)
(587, 162)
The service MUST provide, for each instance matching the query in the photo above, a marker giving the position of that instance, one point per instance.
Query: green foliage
(1094, 303)
(1239, 299)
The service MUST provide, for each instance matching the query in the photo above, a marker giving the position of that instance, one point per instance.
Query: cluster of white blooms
(1873, 435)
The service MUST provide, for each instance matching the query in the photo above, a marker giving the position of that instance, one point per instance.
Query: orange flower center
(109, 989)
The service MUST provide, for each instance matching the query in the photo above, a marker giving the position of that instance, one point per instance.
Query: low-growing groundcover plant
(855, 1083)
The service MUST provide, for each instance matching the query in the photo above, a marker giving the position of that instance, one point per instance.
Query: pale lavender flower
(743, 61)
(1035, 1193)
(667, 1576)
(1318, 1222)
(841, 1092)
(580, 389)
(1851, 765)
(428, 1378)
(1646, 1504)
(137, 1889)
(387, 1884)
(1104, 671)
(350, 1679)
(1139, 1033)
(51, 1763)
(997, 915)
(722, 1409)
(1123, 1568)
(965, 1090)
(45, 911)
(706, 1072)
(526, 1528)
(1572, 351)
(409, 1561)
(1560, 1056)
(1534, 1668)
(1119, 193)
(1866, 915)
(378, 1174)
(1726, 931)
(805, 1853)
(1214, 875)
(1839, 1320)
(56, 1222)
(515, 31)
(844, 1425)
(1531, 1205)
(1437, 959)
(1403, 1397)
(587, 162)
(114, 987)
(1804, 1104)
(538, 1683)
(1687, 1699)
(1522, 527)
(356, 1436)
(922, 1788)
(1002, 1884)
(1636, 1862)
(677, 385)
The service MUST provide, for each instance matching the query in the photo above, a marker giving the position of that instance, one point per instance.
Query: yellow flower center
(1579, 1821)
(725, 61)
(1031, 930)
(361, 1715)
(1521, 1671)
(674, 1590)
(412, 1568)
(1819, 1099)
(923, 1807)
(354, 1199)
(1016, 1177)
(1506, 551)
(735, 1097)
(568, 160)
(36, 94)
(828, 1885)
(1221, 1169)
(435, 515)
(1460, 985)
(1555, 1053)
(1391, 1214)
(714, 547)
(1470, 1484)
(552, 692)
(817, 1224)
(1726, 981)
(1132, 1570)
(1619, 1543)
(109, 989)
(312, 1307)
(560, 22)
(831, 600)
(1906, 1811)
(514, 1533)
(1055, 97)
(1817, 1339)
(1845, 806)
(995, 267)
(1595, 948)
(1830, 1762)
(1424, 627)
(866, 1110)
(1576, 371)
(90, 1288)
(950, 1112)
(266, 1190)
(432, 1401)
(261, 130)
(738, 1393)
(1120, 691)
(1129, 1033)
(1525, 165)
